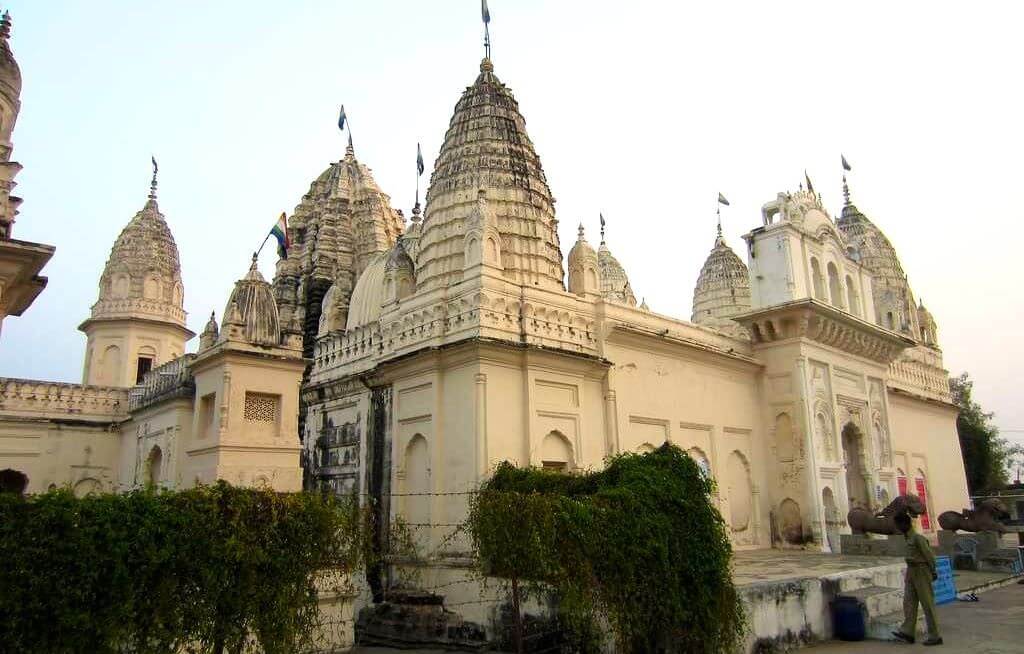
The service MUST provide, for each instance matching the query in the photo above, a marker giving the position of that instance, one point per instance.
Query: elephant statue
(862, 521)
(986, 517)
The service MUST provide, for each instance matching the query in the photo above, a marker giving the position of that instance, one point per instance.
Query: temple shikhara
(403, 359)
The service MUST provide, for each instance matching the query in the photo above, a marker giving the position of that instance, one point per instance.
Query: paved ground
(993, 625)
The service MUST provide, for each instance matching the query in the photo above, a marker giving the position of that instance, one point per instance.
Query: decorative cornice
(809, 319)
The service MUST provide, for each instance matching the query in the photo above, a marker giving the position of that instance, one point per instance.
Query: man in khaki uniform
(917, 585)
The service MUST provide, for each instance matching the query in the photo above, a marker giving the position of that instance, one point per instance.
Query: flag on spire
(810, 187)
(846, 164)
(722, 200)
(341, 118)
(280, 232)
(484, 12)
(419, 160)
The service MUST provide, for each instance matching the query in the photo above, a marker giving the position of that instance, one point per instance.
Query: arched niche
(785, 439)
(556, 452)
(817, 279)
(701, 459)
(852, 297)
(835, 289)
(740, 491)
(87, 486)
(791, 523)
(110, 366)
(416, 485)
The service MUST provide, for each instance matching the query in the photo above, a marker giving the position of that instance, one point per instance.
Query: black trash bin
(848, 618)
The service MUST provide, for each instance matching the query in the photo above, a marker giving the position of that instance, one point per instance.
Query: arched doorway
(853, 455)
(154, 466)
(13, 481)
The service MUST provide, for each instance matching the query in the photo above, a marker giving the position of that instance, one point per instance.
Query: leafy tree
(986, 455)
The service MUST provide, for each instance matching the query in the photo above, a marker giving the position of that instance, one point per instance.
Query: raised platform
(788, 594)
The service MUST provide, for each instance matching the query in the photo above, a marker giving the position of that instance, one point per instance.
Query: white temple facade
(403, 361)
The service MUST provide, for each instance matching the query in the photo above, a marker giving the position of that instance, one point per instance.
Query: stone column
(611, 423)
(482, 460)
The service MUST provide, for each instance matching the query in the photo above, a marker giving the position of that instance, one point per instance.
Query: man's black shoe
(899, 635)
(932, 641)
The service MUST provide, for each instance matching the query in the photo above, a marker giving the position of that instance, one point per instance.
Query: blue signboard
(945, 589)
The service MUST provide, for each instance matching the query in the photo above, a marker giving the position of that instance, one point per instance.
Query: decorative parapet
(919, 371)
(172, 379)
(138, 308)
(538, 317)
(28, 398)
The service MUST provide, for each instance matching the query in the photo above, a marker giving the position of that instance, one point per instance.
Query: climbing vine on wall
(639, 546)
(210, 569)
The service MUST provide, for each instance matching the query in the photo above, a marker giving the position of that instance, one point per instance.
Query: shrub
(639, 545)
(210, 569)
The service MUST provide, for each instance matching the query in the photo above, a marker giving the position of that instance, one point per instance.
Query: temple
(403, 360)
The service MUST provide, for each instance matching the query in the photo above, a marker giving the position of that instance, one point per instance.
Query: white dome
(368, 295)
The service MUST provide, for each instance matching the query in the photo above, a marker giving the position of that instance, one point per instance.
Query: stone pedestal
(967, 550)
(891, 545)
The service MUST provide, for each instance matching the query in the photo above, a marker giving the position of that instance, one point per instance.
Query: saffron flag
(722, 200)
(341, 118)
(484, 12)
(419, 160)
(846, 164)
(280, 232)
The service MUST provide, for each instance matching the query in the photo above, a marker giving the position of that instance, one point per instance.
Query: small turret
(584, 269)
(210, 333)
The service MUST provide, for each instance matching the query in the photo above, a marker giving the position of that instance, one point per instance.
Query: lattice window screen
(260, 407)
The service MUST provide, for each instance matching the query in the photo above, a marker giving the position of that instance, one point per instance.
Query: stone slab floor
(993, 625)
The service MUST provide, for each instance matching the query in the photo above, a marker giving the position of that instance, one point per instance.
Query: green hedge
(639, 545)
(210, 569)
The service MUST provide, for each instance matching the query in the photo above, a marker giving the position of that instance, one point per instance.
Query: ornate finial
(152, 184)
(846, 189)
(486, 66)
(719, 240)
(252, 266)
(601, 216)
(581, 237)
(349, 150)
(416, 213)
(485, 14)
(5, 26)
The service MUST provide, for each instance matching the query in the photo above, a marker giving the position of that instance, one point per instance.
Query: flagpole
(262, 244)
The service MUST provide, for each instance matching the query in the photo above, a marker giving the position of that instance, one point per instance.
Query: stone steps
(878, 600)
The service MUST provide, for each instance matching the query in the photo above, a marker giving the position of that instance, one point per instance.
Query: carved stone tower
(138, 321)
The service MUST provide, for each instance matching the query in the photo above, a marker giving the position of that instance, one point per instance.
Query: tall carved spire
(487, 146)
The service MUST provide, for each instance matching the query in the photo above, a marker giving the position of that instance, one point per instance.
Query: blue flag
(341, 118)
(484, 12)
(419, 160)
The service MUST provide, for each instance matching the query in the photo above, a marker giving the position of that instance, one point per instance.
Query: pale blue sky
(642, 110)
